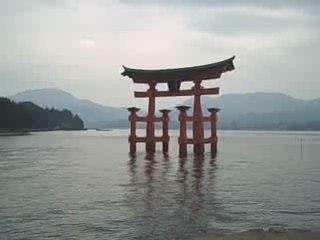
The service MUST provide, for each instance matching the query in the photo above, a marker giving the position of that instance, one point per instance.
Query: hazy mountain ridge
(263, 111)
(269, 111)
(259, 102)
(93, 114)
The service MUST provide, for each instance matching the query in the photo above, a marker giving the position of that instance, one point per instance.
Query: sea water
(84, 185)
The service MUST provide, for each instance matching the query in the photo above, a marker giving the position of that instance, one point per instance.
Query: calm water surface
(84, 185)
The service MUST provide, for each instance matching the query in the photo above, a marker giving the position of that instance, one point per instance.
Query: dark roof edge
(134, 70)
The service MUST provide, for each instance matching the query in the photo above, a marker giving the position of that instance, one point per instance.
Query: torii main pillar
(198, 135)
(150, 138)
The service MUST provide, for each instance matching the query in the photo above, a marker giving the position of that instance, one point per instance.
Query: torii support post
(133, 122)
(198, 135)
(165, 129)
(183, 130)
(213, 138)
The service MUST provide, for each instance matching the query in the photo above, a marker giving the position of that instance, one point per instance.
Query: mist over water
(84, 185)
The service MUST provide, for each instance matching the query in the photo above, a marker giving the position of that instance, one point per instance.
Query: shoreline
(23, 132)
(14, 133)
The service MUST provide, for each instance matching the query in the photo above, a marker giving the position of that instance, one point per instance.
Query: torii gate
(173, 78)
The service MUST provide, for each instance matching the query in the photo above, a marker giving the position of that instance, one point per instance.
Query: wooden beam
(141, 119)
(144, 139)
(144, 119)
(205, 140)
(190, 92)
(190, 141)
(139, 139)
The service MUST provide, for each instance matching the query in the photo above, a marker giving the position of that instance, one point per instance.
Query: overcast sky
(81, 45)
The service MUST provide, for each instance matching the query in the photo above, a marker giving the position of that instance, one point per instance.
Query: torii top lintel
(202, 72)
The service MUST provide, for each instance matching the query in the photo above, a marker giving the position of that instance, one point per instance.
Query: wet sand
(272, 234)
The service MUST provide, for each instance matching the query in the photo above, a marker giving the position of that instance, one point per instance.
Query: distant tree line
(27, 115)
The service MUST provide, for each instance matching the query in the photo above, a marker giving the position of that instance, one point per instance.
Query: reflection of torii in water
(181, 197)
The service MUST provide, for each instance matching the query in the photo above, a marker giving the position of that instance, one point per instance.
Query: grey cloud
(19, 3)
(30, 35)
(12, 8)
(267, 3)
(310, 7)
(240, 23)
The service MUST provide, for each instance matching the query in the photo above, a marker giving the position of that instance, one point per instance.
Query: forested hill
(27, 115)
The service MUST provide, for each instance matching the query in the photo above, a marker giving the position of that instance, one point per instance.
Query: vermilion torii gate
(173, 78)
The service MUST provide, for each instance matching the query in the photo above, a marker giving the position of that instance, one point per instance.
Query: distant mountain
(263, 111)
(93, 114)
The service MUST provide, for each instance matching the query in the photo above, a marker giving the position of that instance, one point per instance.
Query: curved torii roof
(202, 72)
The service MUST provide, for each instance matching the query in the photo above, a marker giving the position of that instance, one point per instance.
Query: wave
(276, 233)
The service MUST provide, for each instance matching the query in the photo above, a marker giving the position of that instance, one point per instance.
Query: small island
(21, 118)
